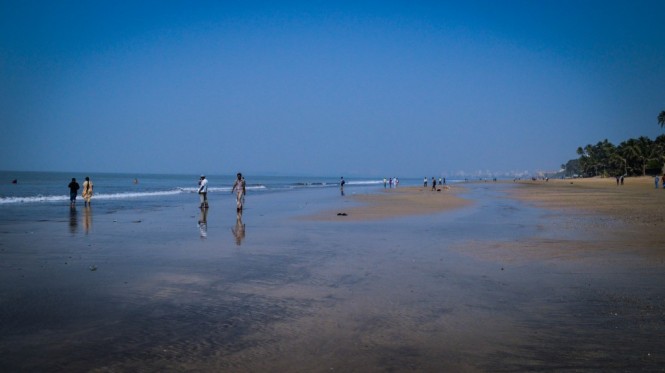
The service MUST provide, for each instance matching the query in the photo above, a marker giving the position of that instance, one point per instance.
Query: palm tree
(640, 152)
(661, 118)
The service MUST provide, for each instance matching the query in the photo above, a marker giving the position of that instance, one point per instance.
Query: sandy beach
(629, 216)
(487, 277)
(396, 202)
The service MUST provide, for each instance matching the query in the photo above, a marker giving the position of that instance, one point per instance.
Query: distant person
(655, 180)
(425, 182)
(15, 181)
(238, 188)
(341, 185)
(87, 191)
(433, 183)
(396, 182)
(662, 181)
(441, 181)
(622, 179)
(618, 179)
(203, 192)
(390, 182)
(136, 181)
(73, 191)
(385, 183)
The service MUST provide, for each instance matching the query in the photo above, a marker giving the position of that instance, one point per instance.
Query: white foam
(101, 196)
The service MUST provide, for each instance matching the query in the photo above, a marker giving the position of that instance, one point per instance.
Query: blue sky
(324, 88)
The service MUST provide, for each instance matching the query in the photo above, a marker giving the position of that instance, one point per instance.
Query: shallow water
(151, 288)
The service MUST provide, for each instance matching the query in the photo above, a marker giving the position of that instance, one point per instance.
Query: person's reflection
(87, 218)
(73, 219)
(203, 224)
(239, 229)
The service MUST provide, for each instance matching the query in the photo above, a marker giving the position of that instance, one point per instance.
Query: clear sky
(385, 88)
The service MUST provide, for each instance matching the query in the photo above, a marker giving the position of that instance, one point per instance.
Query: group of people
(239, 188)
(390, 182)
(86, 194)
(442, 181)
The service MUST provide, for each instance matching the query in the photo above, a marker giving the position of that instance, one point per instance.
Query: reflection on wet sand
(73, 219)
(203, 224)
(87, 219)
(239, 229)
(496, 287)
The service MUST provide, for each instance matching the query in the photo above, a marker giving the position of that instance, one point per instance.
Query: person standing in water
(239, 189)
(73, 190)
(203, 192)
(87, 191)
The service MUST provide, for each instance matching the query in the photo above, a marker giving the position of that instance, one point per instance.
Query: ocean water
(40, 196)
(51, 187)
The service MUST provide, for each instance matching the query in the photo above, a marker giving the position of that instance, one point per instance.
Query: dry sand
(631, 216)
(397, 202)
(636, 202)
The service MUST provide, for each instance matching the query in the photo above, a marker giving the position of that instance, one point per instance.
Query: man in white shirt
(203, 191)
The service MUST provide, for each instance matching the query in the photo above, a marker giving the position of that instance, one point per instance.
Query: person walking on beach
(87, 191)
(433, 183)
(239, 189)
(73, 190)
(203, 192)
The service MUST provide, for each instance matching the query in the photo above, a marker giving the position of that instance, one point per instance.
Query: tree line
(633, 157)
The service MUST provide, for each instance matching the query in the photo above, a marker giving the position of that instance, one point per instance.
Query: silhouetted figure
(73, 191)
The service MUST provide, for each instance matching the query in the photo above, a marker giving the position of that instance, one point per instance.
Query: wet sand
(505, 283)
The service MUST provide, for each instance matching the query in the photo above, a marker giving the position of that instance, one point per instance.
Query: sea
(51, 187)
(40, 196)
